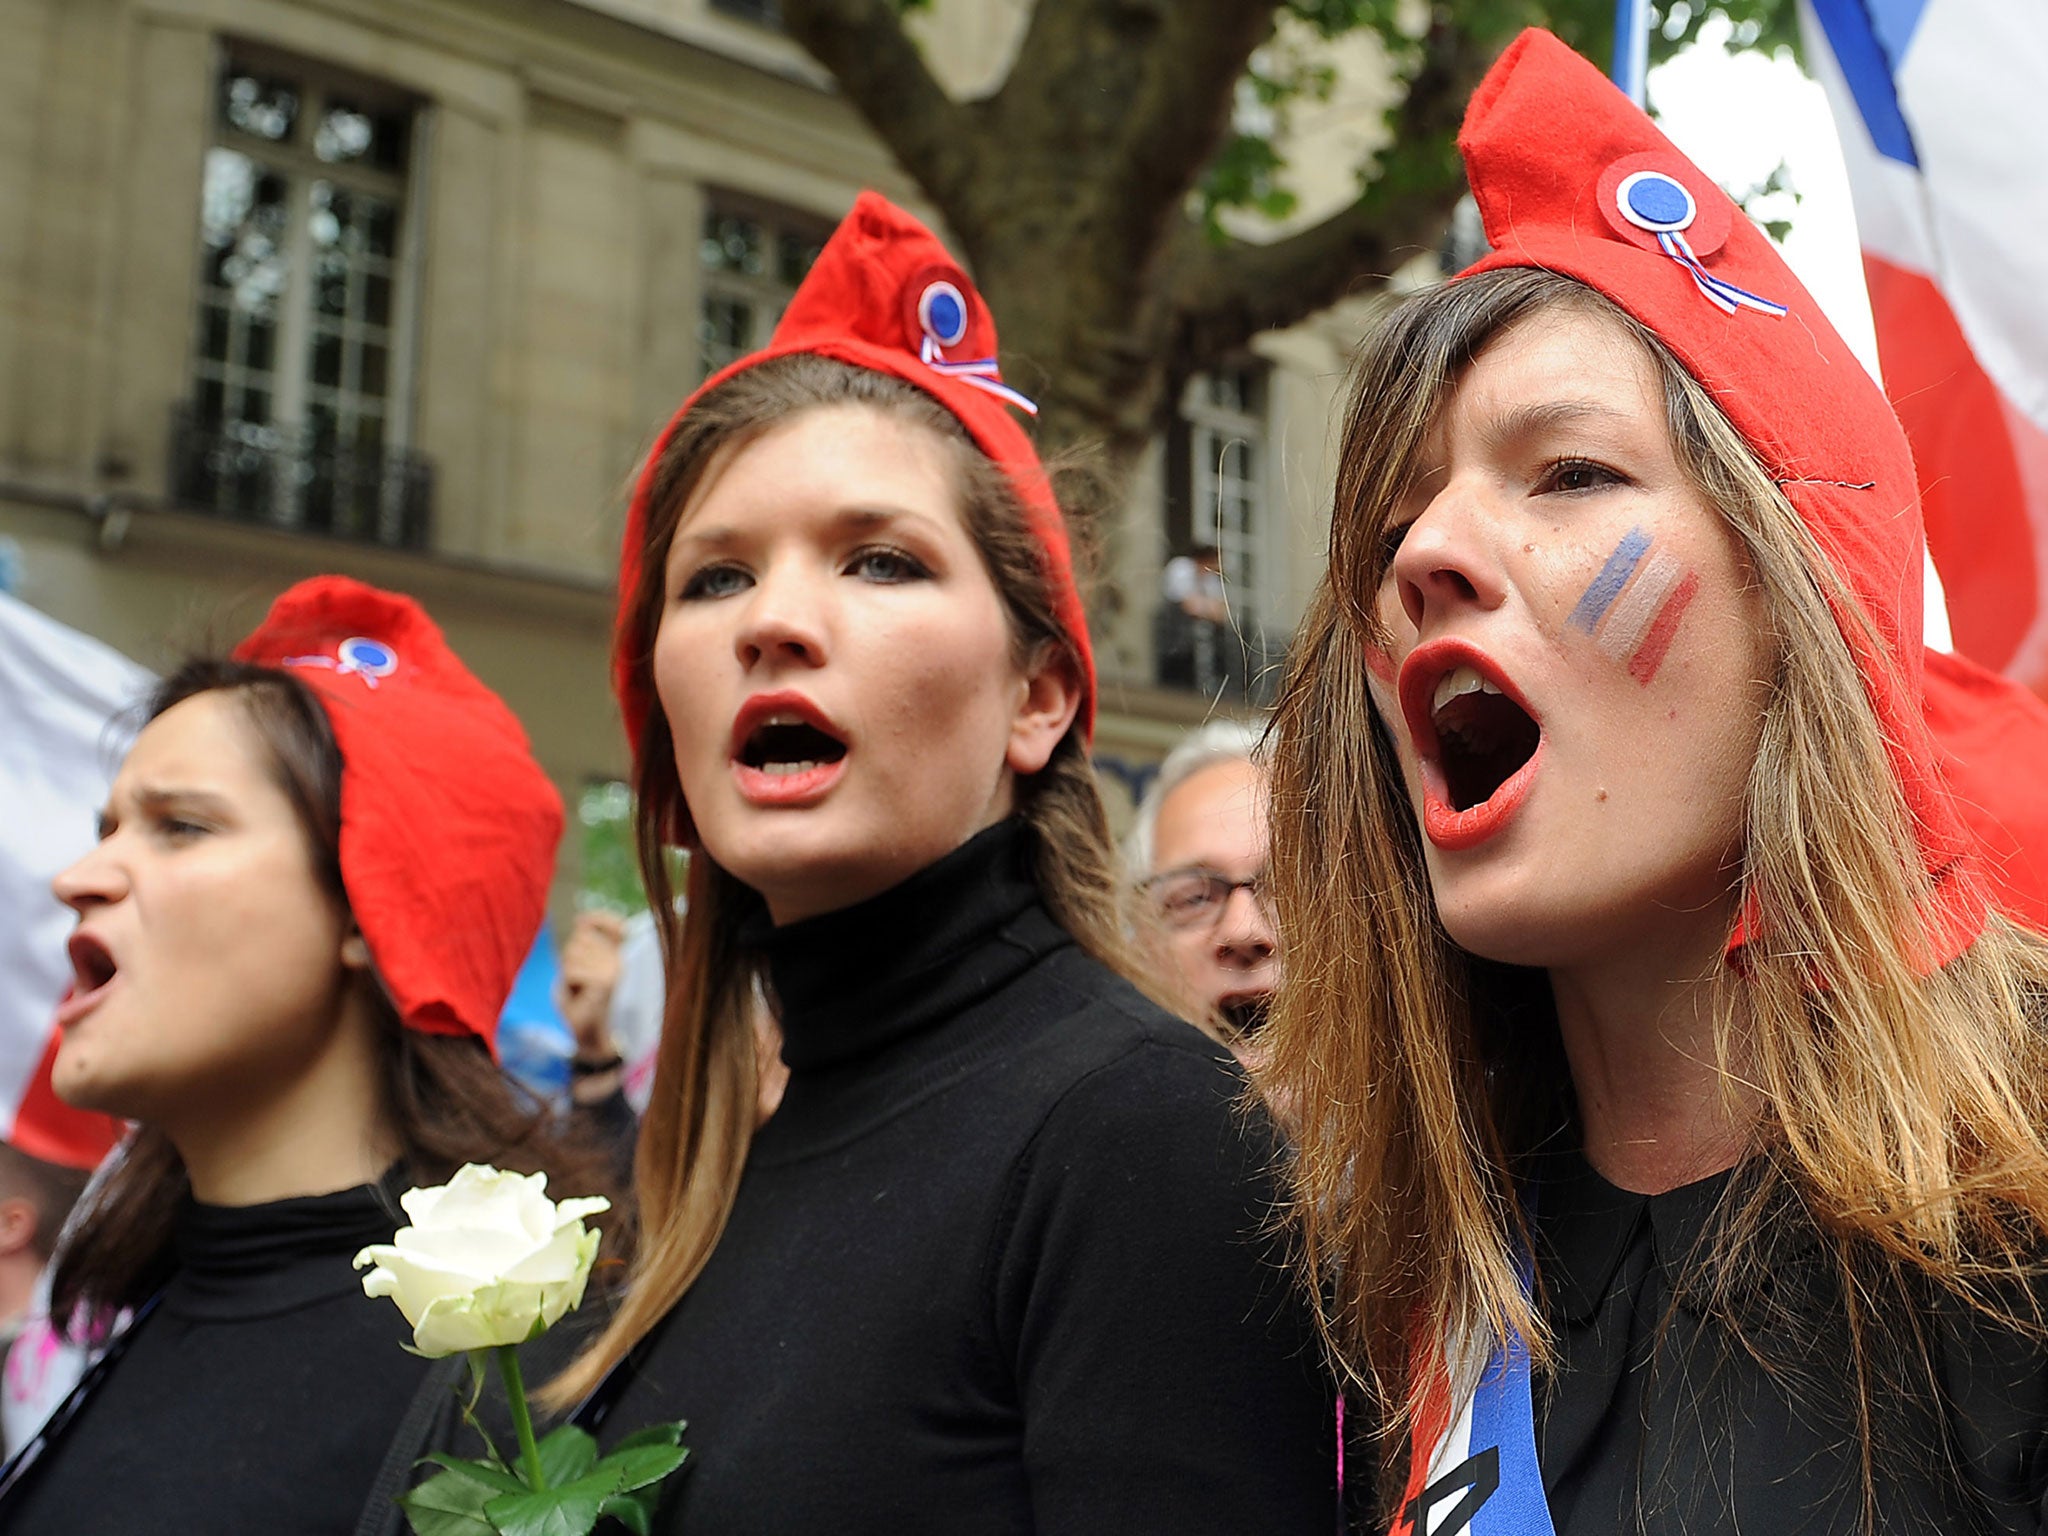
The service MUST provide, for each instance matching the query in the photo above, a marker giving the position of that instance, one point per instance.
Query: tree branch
(1222, 296)
(878, 67)
(1113, 106)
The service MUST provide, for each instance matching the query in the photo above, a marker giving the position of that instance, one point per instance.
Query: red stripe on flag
(1984, 535)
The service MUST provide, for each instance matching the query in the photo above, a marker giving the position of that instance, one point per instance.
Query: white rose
(488, 1260)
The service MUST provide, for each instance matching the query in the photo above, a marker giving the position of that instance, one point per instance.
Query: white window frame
(290, 378)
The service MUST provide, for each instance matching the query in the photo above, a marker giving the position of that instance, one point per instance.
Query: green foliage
(1245, 174)
(1249, 170)
(561, 1488)
(448, 1505)
(566, 1454)
(611, 869)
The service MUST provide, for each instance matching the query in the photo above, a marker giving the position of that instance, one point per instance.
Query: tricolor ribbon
(1472, 1468)
(1718, 290)
(981, 372)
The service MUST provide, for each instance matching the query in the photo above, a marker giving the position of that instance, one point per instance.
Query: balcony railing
(282, 477)
(1234, 663)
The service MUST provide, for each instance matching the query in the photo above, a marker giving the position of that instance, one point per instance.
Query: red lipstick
(1443, 823)
(786, 751)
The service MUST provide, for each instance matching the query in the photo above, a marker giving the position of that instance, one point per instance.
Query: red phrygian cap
(883, 294)
(1572, 177)
(448, 826)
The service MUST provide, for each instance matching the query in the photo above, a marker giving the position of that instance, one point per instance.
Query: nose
(784, 619)
(1447, 558)
(93, 881)
(1244, 934)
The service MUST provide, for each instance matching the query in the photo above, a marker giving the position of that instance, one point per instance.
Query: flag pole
(1632, 48)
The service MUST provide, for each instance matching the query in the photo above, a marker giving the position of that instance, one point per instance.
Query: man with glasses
(1198, 852)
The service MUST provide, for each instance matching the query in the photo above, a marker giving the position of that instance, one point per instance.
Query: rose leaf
(642, 1465)
(571, 1510)
(447, 1506)
(566, 1454)
(495, 1478)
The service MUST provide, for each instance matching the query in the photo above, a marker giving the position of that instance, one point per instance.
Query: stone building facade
(403, 288)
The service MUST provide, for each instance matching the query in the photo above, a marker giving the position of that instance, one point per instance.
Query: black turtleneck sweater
(996, 1264)
(259, 1396)
(1682, 1409)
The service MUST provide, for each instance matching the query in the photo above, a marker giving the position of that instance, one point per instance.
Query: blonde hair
(1901, 1111)
(700, 1120)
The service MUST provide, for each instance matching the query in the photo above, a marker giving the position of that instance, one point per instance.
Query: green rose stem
(522, 1420)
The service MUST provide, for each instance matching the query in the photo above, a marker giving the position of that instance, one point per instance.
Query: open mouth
(91, 962)
(789, 746)
(1245, 1015)
(1483, 737)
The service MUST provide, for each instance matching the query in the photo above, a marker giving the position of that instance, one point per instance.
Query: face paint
(1634, 605)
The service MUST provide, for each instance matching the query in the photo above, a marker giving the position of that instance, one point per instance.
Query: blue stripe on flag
(1895, 22)
(1863, 48)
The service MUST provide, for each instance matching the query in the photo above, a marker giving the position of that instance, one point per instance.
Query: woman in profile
(1670, 1098)
(319, 869)
(998, 1261)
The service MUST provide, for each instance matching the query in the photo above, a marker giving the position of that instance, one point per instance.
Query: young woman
(997, 1262)
(319, 869)
(1670, 1102)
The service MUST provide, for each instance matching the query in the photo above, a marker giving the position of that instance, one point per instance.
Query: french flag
(60, 691)
(1939, 104)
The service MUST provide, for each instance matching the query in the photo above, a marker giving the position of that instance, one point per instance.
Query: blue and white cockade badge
(357, 656)
(1659, 204)
(942, 321)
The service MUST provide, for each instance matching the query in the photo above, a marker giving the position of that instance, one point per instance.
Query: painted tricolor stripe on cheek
(1629, 620)
(1600, 594)
(1650, 655)
(1633, 607)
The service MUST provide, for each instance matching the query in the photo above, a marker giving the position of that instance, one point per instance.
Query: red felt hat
(884, 294)
(448, 826)
(1572, 177)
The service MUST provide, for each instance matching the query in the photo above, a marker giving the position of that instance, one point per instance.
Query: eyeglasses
(1195, 898)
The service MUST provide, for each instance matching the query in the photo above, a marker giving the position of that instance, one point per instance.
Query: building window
(1206, 633)
(297, 415)
(1226, 425)
(753, 258)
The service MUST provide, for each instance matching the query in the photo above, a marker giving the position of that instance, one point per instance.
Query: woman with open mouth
(320, 867)
(999, 1261)
(1669, 1093)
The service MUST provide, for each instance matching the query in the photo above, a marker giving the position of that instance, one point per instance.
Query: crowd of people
(1575, 1073)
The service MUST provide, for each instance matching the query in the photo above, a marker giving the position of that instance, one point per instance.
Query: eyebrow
(1543, 416)
(156, 797)
(859, 518)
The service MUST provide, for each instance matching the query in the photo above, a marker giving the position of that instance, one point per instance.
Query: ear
(1046, 708)
(355, 951)
(17, 1224)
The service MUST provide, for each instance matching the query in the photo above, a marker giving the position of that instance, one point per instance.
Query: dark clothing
(1661, 1419)
(997, 1263)
(258, 1397)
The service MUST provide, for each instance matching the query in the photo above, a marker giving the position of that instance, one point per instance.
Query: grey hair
(1216, 741)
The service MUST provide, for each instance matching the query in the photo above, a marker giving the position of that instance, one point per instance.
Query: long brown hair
(699, 1124)
(1902, 1112)
(448, 1102)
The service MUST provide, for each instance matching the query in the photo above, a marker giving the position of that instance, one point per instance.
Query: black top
(258, 1397)
(1737, 1411)
(996, 1263)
